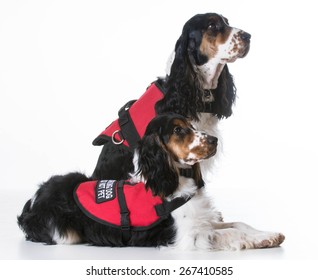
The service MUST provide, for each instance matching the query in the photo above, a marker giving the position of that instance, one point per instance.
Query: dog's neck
(210, 73)
(191, 172)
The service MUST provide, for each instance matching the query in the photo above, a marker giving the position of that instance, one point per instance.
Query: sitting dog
(198, 85)
(163, 202)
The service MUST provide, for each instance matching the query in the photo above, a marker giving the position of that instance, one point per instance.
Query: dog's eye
(212, 26)
(177, 130)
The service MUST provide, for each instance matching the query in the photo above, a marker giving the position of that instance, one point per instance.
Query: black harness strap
(127, 126)
(163, 210)
(189, 173)
(186, 172)
(124, 212)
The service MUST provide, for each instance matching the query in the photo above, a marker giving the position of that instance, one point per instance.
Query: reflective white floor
(262, 210)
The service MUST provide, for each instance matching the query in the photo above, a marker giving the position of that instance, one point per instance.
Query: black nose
(212, 140)
(245, 36)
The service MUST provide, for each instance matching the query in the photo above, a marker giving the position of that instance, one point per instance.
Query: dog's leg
(236, 236)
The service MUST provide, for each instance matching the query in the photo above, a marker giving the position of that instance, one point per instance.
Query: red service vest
(133, 119)
(124, 205)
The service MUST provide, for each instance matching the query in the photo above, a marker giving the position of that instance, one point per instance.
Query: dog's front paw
(269, 240)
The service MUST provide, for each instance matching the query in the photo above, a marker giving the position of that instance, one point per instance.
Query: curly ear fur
(184, 95)
(184, 92)
(156, 166)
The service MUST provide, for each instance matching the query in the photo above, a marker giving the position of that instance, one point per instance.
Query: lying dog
(162, 203)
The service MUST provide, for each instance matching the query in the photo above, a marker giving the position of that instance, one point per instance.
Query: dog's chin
(241, 54)
(193, 161)
(244, 52)
(211, 154)
(229, 60)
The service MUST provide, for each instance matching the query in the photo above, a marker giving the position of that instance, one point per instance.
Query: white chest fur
(193, 222)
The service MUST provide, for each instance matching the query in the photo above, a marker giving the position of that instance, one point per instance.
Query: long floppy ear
(224, 95)
(181, 65)
(183, 93)
(187, 54)
(156, 166)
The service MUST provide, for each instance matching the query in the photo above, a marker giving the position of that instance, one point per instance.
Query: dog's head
(209, 36)
(199, 64)
(171, 141)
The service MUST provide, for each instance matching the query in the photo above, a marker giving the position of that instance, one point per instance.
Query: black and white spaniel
(66, 209)
(166, 162)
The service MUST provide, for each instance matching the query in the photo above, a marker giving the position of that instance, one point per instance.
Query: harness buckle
(114, 139)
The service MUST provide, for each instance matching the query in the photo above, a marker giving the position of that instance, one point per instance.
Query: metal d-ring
(114, 140)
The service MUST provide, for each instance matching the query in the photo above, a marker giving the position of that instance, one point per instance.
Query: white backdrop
(66, 67)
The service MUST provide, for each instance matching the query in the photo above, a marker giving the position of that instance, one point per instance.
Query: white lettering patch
(105, 190)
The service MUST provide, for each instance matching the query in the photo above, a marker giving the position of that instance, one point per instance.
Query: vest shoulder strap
(163, 210)
(124, 212)
(127, 126)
